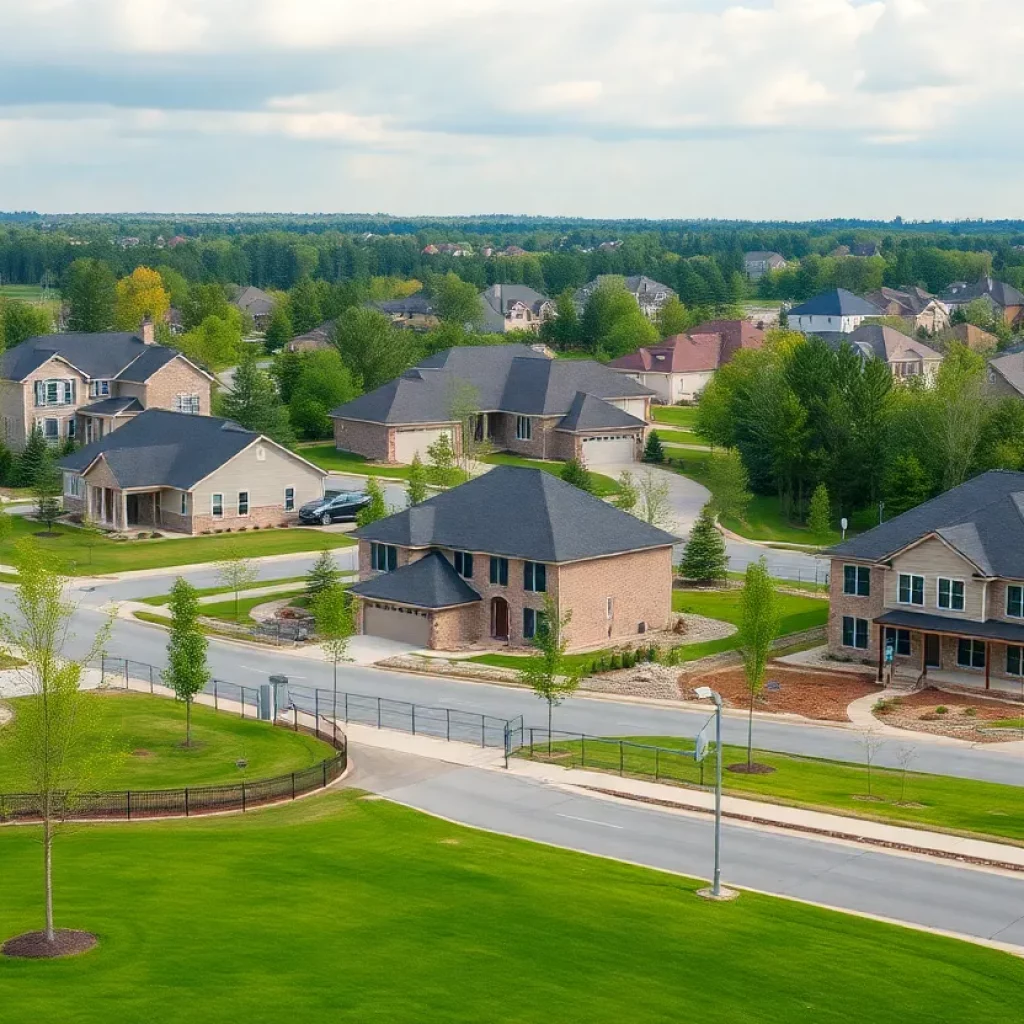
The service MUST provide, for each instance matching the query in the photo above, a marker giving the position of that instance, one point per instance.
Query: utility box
(277, 697)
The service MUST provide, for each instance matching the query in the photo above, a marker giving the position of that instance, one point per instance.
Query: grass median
(343, 909)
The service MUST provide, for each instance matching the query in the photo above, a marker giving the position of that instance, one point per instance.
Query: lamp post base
(724, 895)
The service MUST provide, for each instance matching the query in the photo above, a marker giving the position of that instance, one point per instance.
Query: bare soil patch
(750, 769)
(33, 945)
(967, 717)
(814, 694)
(142, 753)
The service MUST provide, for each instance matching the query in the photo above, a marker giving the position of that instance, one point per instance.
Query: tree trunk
(188, 722)
(334, 711)
(750, 731)
(550, 706)
(48, 867)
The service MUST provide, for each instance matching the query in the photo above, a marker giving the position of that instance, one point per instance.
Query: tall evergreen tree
(575, 473)
(32, 458)
(819, 514)
(416, 491)
(377, 509)
(323, 573)
(90, 291)
(46, 490)
(653, 450)
(704, 556)
(254, 403)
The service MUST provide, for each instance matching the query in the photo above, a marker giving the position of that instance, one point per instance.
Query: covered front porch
(936, 650)
(122, 510)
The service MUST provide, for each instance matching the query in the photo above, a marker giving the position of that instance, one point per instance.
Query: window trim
(498, 572)
(1019, 671)
(289, 507)
(383, 557)
(854, 646)
(899, 588)
(463, 560)
(609, 608)
(183, 505)
(974, 646)
(1020, 591)
(239, 503)
(524, 428)
(938, 593)
(214, 503)
(859, 571)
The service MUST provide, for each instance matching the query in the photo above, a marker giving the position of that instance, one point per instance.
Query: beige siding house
(189, 474)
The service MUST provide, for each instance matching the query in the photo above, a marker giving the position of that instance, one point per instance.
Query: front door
(932, 651)
(133, 510)
(499, 618)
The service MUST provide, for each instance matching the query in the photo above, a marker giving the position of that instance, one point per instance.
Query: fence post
(129, 805)
(657, 754)
(103, 670)
(483, 731)
(126, 673)
(448, 724)
(186, 801)
(243, 795)
(346, 710)
(414, 719)
(378, 712)
(293, 785)
(621, 748)
(215, 705)
(531, 741)
(508, 742)
(151, 679)
(324, 763)
(583, 751)
(295, 718)
(316, 705)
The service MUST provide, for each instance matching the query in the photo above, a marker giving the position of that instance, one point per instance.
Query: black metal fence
(283, 631)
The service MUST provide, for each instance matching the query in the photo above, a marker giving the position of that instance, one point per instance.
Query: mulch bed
(33, 945)
(911, 710)
(820, 695)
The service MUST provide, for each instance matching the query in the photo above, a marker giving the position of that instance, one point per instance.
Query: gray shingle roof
(506, 378)
(590, 413)
(1002, 294)
(497, 299)
(1010, 366)
(882, 342)
(429, 582)
(159, 448)
(837, 302)
(982, 518)
(148, 362)
(100, 356)
(254, 301)
(518, 513)
(113, 406)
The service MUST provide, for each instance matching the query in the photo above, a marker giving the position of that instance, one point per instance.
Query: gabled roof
(412, 304)
(499, 298)
(999, 292)
(973, 337)
(590, 413)
(254, 301)
(112, 406)
(504, 378)
(159, 448)
(885, 343)
(706, 347)
(837, 302)
(762, 256)
(638, 285)
(983, 519)
(518, 513)
(1010, 367)
(429, 582)
(912, 301)
(101, 355)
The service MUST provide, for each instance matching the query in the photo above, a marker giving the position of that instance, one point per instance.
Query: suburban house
(915, 304)
(527, 403)
(973, 337)
(836, 310)
(758, 262)
(1006, 375)
(317, 339)
(257, 303)
(905, 356)
(416, 312)
(1004, 300)
(83, 386)
(942, 585)
(860, 250)
(475, 563)
(514, 307)
(650, 295)
(679, 368)
(190, 474)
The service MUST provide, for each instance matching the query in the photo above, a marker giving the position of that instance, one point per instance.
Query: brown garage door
(406, 625)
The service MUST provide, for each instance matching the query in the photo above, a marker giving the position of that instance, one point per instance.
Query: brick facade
(374, 441)
(269, 515)
(841, 605)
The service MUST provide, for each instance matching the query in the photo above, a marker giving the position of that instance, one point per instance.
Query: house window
(383, 557)
(51, 429)
(184, 503)
(243, 503)
(99, 389)
(970, 653)
(911, 589)
(74, 485)
(609, 607)
(464, 564)
(1014, 661)
(857, 580)
(289, 499)
(535, 577)
(533, 622)
(1015, 602)
(899, 640)
(187, 403)
(499, 571)
(951, 594)
(72, 428)
(524, 428)
(217, 505)
(855, 632)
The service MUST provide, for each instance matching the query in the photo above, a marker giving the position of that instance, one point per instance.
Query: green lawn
(135, 722)
(1007, 723)
(121, 556)
(684, 416)
(160, 599)
(326, 456)
(922, 801)
(341, 909)
(671, 437)
(225, 609)
(604, 486)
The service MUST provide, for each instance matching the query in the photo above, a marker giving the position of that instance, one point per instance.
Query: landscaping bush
(886, 705)
(942, 710)
(616, 661)
(652, 653)
(971, 712)
(672, 656)
(142, 535)
(155, 535)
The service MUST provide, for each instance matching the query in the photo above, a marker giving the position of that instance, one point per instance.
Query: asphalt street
(968, 901)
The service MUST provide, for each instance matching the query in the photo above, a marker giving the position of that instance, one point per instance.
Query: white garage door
(634, 406)
(409, 442)
(609, 450)
(406, 625)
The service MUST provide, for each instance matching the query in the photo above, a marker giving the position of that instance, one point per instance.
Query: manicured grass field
(1008, 723)
(160, 599)
(680, 437)
(135, 723)
(764, 520)
(121, 556)
(604, 486)
(341, 909)
(683, 416)
(225, 609)
(25, 292)
(922, 801)
(326, 456)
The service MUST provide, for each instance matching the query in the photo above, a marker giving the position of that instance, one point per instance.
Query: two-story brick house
(83, 386)
(514, 307)
(942, 585)
(528, 404)
(475, 563)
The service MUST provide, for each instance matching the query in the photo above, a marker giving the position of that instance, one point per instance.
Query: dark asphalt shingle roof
(519, 513)
(504, 378)
(999, 292)
(159, 448)
(1010, 366)
(429, 582)
(983, 519)
(590, 413)
(837, 302)
(990, 629)
(100, 356)
(113, 406)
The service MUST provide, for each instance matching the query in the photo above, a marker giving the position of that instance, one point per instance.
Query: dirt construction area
(821, 695)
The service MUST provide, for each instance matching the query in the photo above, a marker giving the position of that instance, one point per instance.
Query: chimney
(147, 331)
(497, 297)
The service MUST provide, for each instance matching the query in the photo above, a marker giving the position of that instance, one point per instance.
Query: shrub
(155, 535)
(886, 705)
(616, 661)
(971, 712)
(593, 668)
(256, 527)
(942, 710)
(206, 533)
(672, 656)
(242, 529)
(141, 535)
(652, 653)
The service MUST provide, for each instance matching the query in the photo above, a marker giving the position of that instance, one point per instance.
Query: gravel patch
(966, 717)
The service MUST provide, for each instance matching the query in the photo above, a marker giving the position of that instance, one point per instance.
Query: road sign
(700, 746)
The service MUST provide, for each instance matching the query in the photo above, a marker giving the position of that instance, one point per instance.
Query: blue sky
(659, 108)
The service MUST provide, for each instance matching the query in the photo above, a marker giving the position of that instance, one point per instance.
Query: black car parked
(335, 508)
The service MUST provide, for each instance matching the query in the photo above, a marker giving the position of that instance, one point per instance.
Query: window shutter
(40, 393)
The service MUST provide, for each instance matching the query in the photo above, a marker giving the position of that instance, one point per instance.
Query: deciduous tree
(89, 289)
(140, 295)
(819, 513)
(187, 673)
(759, 624)
(236, 572)
(653, 505)
(376, 509)
(728, 481)
(335, 624)
(416, 490)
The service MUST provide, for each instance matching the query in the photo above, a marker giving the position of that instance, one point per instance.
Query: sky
(794, 109)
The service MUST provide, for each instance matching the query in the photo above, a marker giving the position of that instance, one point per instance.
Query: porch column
(124, 511)
(988, 662)
(924, 654)
(881, 651)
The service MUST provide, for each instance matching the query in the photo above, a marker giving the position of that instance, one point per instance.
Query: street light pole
(716, 892)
